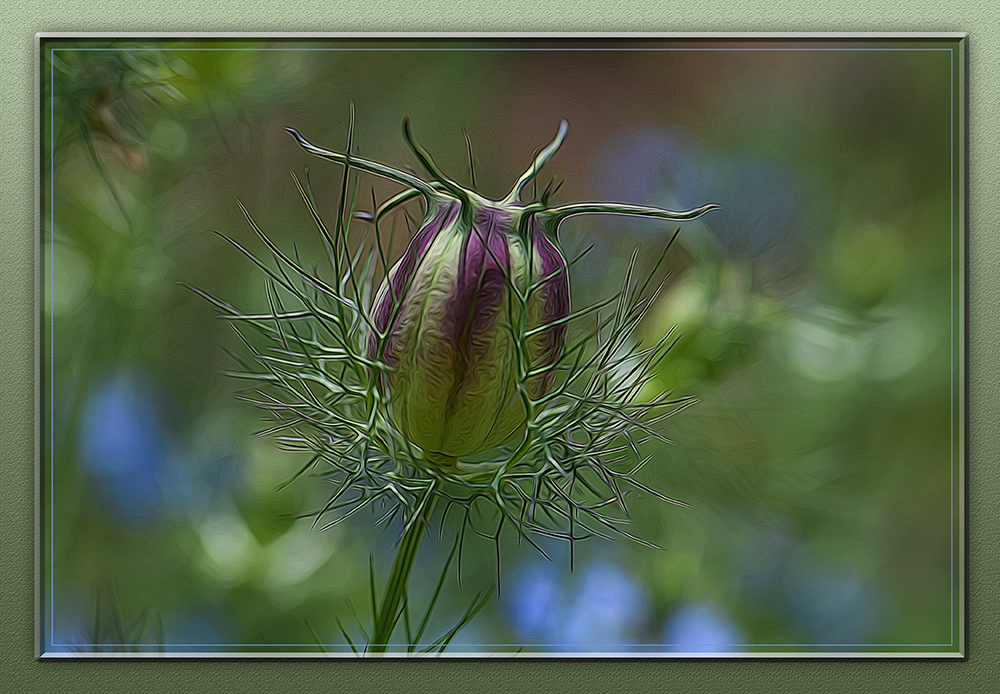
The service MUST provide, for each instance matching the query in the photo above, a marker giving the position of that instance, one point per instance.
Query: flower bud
(459, 342)
(468, 325)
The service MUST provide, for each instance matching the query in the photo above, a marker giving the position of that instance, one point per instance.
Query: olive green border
(22, 672)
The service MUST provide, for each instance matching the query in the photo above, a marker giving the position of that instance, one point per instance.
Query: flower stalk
(387, 615)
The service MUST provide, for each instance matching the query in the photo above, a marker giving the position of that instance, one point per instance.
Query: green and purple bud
(452, 322)
(468, 325)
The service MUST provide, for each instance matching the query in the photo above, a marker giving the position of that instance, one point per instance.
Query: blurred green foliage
(814, 325)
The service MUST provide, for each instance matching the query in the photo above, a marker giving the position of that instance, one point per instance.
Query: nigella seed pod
(459, 336)
(409, 397)
(466, 332)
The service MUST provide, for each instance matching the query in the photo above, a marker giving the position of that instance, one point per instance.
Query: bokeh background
(815, 313)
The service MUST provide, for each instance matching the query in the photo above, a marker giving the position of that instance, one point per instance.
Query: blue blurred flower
(608, 609)
(121, 446)
(835, 607)
(665, 168)
(535, 603)
(701, 627)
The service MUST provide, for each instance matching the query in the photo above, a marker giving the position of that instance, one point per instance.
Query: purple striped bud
(469, 320)
(454, 328)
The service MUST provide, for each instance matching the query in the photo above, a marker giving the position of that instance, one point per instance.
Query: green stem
(539, 162)
(557, 214)
(382, 170)
(395, 589)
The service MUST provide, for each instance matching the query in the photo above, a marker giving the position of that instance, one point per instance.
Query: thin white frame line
(52, 340)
